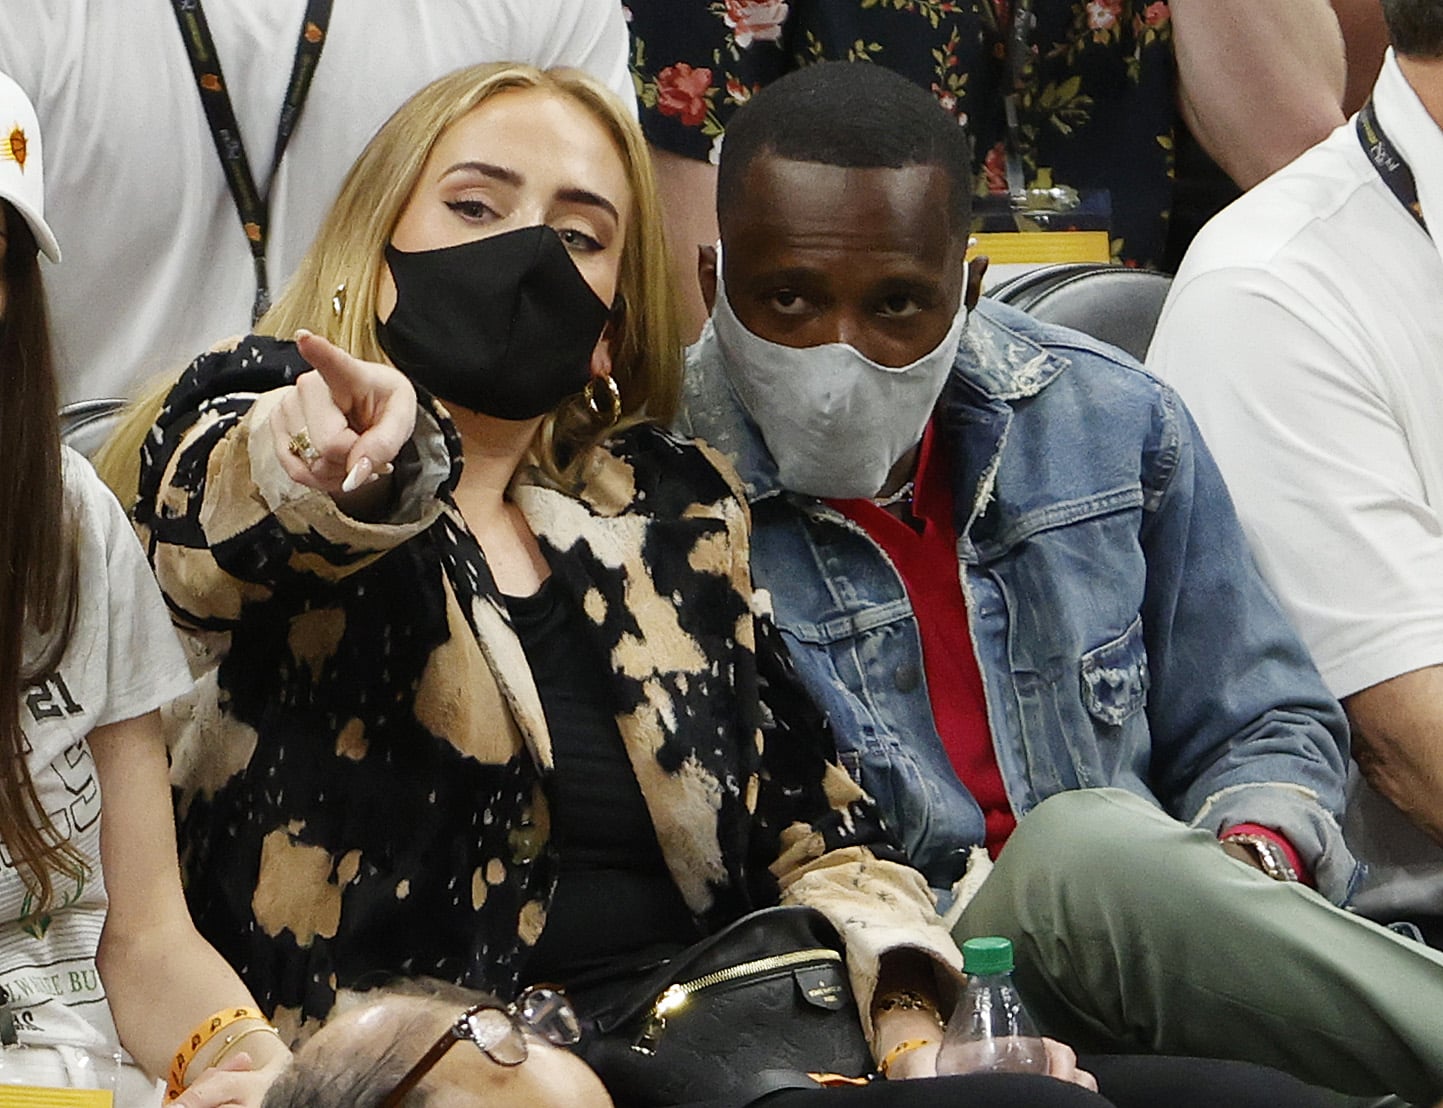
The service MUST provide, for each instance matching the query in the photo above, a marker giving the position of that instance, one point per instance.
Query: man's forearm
(1365, 38)
(1398, 743)
(1258, 83)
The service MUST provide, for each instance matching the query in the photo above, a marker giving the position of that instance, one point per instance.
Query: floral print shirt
(1096, 109)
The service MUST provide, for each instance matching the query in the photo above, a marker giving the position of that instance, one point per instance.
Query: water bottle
(990, 1031)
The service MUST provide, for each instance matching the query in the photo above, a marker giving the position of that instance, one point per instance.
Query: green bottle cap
(989, 955)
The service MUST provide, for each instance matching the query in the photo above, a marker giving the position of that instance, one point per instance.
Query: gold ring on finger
(302, 447)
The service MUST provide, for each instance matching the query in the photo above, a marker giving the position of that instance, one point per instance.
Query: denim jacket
(1123, 633)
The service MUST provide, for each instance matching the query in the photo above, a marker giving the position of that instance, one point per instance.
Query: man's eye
(789, 302)
(578, 240)
(899, 306)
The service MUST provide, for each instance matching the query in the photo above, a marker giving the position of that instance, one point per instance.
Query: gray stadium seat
(1114, 303)
(86, 424)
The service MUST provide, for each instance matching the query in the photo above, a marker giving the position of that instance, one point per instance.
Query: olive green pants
(1135, 932)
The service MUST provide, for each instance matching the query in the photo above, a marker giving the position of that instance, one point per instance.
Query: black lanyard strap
(252, 204)
(1019, 61)
(1395, 171)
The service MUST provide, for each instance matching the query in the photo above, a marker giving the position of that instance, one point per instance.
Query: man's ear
(706, 275)
(976, 270)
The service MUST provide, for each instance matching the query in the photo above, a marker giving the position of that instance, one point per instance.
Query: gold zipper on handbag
(677, 996)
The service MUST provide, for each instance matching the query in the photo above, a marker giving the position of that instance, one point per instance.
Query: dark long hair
(37, 555)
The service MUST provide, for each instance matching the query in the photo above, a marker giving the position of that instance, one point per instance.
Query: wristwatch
(906, 999)
(1269, 854)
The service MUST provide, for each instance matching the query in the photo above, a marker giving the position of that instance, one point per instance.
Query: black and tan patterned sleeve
(224, 525)
(823, 839)
(815, 837)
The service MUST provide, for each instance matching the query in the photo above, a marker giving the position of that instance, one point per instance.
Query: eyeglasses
(499, 1031)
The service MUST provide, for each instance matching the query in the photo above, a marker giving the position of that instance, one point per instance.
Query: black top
(616, 908)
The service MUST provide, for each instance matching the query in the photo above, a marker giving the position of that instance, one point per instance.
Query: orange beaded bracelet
(204, 1032)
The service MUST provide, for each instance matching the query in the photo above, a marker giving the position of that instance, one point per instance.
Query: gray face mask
(834, 421)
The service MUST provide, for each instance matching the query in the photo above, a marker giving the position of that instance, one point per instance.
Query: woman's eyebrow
(486, 169)
(572, 195)
(592, 199)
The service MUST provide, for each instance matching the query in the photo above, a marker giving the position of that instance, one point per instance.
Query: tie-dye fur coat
(362, 776)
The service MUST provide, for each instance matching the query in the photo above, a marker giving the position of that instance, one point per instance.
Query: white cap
(22, 176)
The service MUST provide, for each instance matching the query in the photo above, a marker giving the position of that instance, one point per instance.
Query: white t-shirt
(123, 660)
(1305, 332)
(156, 267)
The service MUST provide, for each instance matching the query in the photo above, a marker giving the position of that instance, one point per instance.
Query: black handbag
(751, 1009)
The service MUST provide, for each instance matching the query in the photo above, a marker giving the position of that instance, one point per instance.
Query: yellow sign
(1043, 247)
(31, 1096)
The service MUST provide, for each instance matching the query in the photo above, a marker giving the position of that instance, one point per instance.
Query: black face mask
(504, 325)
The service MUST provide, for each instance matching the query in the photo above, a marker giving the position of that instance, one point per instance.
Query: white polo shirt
(156, 265)
(1305, 332)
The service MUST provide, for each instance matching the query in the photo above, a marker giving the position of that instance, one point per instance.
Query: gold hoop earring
(338, 300)
(611, 416)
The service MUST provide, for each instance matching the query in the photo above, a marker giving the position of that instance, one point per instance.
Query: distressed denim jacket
(1123, 634)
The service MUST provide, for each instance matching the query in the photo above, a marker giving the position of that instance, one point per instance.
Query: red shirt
(927, 563)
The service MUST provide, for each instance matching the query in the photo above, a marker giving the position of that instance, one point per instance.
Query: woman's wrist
(905, 1043)
(906, 1046)
(893, 1027)
(904, 1009)
(213, 1038)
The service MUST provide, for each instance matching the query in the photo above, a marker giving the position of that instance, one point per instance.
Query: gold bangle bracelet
(231, 1041)
(906, 1046)
(213, 1025)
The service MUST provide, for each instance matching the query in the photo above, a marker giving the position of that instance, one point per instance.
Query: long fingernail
(302, 333)
(358, 475)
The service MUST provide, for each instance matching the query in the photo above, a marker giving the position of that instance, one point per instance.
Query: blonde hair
(117, 459)
(349, 250)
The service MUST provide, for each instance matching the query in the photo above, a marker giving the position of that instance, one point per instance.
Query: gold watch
(907, 1000)
(1270, 856)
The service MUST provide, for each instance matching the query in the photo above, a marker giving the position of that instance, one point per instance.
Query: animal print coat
(362, 778)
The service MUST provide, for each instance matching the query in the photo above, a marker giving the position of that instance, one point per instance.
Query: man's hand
(899, 1025)
(1243, 854)
(1062, 1064)
(339, 428)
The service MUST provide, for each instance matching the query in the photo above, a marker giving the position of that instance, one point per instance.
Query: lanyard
(252, 204)
(1395, 172)
(1017, 45)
